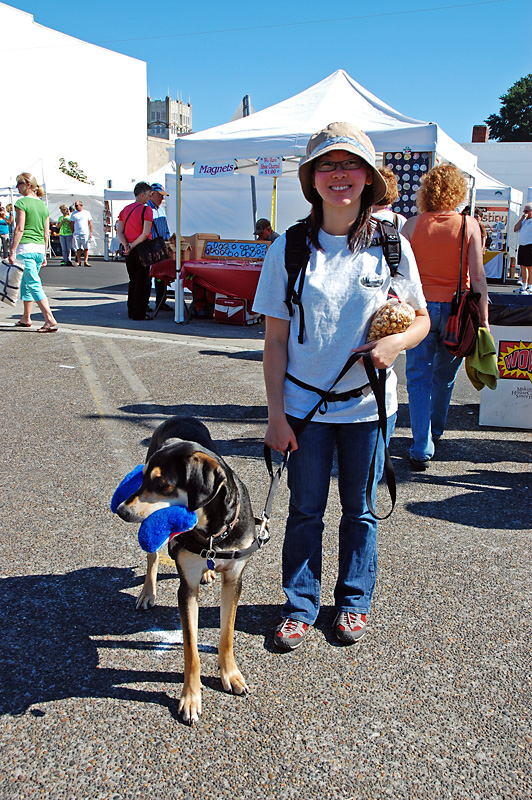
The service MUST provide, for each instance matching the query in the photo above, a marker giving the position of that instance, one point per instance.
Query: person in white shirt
(524, 254)
(81, 224)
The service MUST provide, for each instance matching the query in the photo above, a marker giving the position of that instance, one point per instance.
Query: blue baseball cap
(158, 188)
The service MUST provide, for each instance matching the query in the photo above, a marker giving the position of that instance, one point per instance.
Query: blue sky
(444, 61)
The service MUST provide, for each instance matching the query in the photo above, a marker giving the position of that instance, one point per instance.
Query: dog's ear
(204, 477)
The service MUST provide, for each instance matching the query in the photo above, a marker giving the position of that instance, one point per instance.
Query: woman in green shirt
(65, 235)
(29, 245)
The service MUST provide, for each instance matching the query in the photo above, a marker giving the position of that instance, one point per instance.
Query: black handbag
(462, 326)
(150, 251)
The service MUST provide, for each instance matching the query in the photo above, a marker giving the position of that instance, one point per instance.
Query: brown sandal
(48, 329)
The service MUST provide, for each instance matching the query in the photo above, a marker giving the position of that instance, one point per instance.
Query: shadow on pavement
(54, 625)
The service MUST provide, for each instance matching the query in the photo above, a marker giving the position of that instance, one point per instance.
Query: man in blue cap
(160, 224)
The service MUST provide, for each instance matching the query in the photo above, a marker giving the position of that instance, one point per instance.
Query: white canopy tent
(285, 128)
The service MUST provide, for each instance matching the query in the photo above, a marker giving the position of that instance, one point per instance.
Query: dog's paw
(145, 600)
(233, 680)
(190, 707)
(208, 577)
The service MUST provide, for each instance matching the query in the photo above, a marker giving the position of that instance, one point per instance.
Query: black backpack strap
(297, 254)
(391, 244)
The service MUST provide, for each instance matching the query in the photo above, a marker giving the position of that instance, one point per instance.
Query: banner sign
(228, 248)
(272, 165)
(211, 170)
(494, 220)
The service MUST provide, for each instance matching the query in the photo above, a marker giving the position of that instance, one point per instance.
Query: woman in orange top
(436, 235)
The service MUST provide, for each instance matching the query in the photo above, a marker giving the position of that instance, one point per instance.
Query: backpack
(297, 254)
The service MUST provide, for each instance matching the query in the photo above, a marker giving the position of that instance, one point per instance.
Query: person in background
(436, 235)
(347, 280)
(264, 232)
(30, 245)
(384, 209)
(4, 232)
(10, 220)
(81, 225)
(160, 228)
(523, 226)
(65, 235)
(133, 227)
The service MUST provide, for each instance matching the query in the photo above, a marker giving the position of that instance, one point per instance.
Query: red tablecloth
(231, 278)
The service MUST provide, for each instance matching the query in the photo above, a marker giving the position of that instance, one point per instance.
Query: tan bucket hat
(341, 136)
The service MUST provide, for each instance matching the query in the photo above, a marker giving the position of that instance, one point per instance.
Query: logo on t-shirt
(371, 280)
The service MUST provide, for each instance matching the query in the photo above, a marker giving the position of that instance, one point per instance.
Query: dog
(184, 468)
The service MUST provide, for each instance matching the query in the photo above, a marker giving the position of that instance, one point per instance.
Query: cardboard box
(510, 404)
(234, 311)
(197, 244)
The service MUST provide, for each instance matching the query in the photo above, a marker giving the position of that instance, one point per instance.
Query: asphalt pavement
(434, 703)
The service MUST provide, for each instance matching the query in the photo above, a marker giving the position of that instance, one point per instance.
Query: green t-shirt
(36, 214)
(63, 223)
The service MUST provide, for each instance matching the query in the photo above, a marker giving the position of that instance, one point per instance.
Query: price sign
(272, 165)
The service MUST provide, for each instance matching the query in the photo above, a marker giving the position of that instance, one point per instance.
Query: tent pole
(274, 202)
(246, 102)
(179, 294)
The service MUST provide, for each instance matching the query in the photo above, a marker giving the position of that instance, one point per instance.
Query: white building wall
(62, 97)
(509, 162)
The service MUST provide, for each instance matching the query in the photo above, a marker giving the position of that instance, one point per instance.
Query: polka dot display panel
(409, 166)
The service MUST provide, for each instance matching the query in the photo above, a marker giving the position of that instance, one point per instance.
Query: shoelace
(293, 626)
(349, 619)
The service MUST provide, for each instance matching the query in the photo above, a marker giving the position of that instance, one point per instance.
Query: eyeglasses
(331, 166)
(21, 183)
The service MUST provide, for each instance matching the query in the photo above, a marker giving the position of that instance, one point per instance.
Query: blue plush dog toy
(156, 529)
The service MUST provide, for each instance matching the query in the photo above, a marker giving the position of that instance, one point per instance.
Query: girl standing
(346, 281)
(30, 245)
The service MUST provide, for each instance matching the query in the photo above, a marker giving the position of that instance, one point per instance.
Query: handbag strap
(459, 288)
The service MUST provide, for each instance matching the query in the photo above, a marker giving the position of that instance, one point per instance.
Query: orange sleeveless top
(436, 244)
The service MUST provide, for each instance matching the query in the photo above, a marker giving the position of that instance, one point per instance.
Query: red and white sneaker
(290, 633)
(350, 627)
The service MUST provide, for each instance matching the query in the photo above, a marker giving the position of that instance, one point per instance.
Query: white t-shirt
(81, 222)
(341, 292)
(525, 232)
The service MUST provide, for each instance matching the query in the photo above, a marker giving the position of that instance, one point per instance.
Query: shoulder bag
(463, 323)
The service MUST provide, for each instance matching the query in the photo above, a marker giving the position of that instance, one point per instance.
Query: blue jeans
(309, 472)
(430, 375)
(66, 246)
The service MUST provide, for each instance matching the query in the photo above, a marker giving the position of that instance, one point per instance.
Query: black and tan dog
(183, 468)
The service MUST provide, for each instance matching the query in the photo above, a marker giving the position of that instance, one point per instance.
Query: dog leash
(378, 386)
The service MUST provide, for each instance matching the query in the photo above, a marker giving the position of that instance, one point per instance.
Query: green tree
(73, 169)
(514, 122)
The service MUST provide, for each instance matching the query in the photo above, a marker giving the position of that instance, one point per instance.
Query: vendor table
(230, 278)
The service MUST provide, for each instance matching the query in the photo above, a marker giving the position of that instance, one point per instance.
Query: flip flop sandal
(48, 329)
(21, 324)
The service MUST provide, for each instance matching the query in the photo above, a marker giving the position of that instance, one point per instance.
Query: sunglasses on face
(331, 166)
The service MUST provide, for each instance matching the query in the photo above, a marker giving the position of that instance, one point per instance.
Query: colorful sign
(212, 170)
(218, 248)
(494, 220)
(271, 165)
(515, 360)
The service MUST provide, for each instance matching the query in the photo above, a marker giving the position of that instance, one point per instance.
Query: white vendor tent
(491, 197)
(284, 130)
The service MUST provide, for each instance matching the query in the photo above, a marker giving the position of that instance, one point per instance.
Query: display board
(495, 220)
(227, 248)
(409, 167)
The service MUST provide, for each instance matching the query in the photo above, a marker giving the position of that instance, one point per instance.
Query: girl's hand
(279, 435)
(383, 351)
